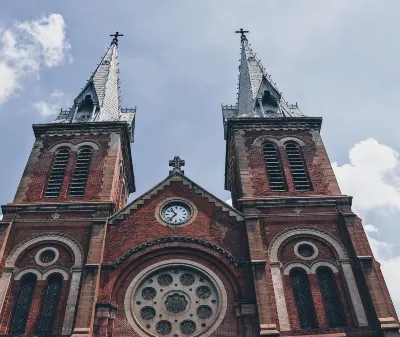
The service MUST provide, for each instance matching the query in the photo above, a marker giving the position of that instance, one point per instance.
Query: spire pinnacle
(242, 32)
(115, 39)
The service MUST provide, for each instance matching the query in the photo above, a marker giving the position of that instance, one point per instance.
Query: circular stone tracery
(176, 301)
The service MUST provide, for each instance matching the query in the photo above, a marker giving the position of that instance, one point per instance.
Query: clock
(176, 213)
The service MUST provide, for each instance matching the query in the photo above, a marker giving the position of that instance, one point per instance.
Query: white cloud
(57, 100)
(27, 48)
(372, 177)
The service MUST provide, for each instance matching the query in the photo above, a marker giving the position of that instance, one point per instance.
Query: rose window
(47, 256)
(176, 301)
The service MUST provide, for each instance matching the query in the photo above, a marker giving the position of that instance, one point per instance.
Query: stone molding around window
(73, 147)
(149, 283)
(310, 269)
(42, 276)
(314, 247)
(41, 251)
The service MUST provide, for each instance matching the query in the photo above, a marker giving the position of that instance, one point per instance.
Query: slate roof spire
(258, 95)
(99, 100)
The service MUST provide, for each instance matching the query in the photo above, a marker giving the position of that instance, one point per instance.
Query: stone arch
(75, 277)
(348, 274)
(327, 264)
(25, 271)
(66, 239)
(59, 270)
(296, 265)
(292, 139)
(308, 231)
(259, 141)
(55, 147)
(92, 144)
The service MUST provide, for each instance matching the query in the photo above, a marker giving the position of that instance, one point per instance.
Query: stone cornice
(300, 201)
(59, 207)
(280, 123)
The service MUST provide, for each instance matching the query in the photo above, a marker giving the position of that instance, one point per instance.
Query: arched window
(331, 299)
(303, 298)
(57, 173)
(297, 167)
(80, 175)
(23, 304)
(49, 309)
(276, 177)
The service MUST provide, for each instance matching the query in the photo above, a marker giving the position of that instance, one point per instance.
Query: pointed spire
(258, 95)
(99, 100)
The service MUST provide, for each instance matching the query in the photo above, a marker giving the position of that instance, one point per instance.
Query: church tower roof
(258, 95)
(99, 99)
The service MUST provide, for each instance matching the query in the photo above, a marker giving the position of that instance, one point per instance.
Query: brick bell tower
(52, 235)
(314, 271)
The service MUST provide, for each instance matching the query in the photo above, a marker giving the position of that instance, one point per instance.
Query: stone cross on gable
(176, 163)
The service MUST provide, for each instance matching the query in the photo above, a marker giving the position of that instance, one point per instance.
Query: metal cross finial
(242, 32)
(176, 163)
(115, 39)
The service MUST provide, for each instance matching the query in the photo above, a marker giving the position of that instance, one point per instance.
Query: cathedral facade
(290, 258)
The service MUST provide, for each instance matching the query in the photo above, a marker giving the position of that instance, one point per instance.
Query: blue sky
(179, 61)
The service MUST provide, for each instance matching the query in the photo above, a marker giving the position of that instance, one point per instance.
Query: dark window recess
(23, 305)
(57, 174)
(80, 175)
(331, 299)
(49, 310)
(297, 167)
(276, 178)
(304, 301)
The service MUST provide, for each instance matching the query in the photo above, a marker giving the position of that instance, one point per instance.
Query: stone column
(71, 302)
(90, 283)
(280, 296)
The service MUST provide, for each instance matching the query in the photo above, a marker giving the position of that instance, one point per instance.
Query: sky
(179, 62)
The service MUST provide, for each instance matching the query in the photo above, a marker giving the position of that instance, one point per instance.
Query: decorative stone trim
(288, 268)
(279, 142)
(148, 244)
(310, 269)
(25, 271)
(327, 264)
(245, 309)
(52, 237)
(296, 250)
(167, 182)
(305, 231)
(73, 147)
(57, 270)
(222, 295)
(43, 264)
(159, 208)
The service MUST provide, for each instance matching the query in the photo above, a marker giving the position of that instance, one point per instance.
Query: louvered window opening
(297, 167)
(49, 310)
(80, 175)
(57, 174)
(276, 178)
(23, 305)
(303, 298)
(331, 299)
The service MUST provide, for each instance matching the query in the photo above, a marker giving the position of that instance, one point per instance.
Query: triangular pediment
(175, 177)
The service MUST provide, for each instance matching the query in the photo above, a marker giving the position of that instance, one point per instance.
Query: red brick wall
(317, 162)
(210, 225)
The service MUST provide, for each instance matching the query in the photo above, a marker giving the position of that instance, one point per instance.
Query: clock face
(176, 213)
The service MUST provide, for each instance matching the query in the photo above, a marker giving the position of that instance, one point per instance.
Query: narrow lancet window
(297, 167)
(49, 309)
(330, 296)
(276, 177)
(80, 175)
(23, 305)
(303, 298)
(57, 174)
